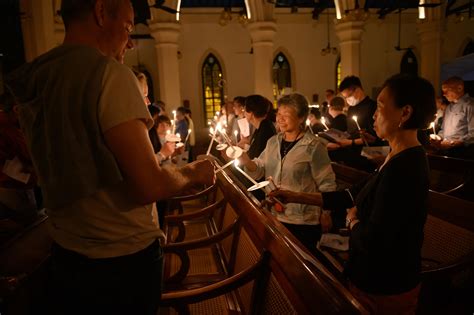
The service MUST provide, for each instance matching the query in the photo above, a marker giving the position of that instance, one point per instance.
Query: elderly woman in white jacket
(298, 161)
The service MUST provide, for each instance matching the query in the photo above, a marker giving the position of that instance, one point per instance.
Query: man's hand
(168, 149)
(367, 136)
(326, 221)
(203, 172)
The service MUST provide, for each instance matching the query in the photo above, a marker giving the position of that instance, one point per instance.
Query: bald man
(457, 131)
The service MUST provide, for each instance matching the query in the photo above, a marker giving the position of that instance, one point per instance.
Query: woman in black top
(256, 111)
(389, 209)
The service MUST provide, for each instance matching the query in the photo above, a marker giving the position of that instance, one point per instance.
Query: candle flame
(236, 133)
(168, 132)
(236, 163)
(354, 117)
(189, 130)
(178, 135)
(308, 122)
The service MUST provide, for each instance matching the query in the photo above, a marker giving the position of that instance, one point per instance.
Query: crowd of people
(100, 150)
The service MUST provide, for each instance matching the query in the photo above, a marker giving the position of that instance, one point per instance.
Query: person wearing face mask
(348, 151)
(360, 105)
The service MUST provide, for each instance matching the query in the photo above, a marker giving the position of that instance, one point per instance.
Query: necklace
(286, 146)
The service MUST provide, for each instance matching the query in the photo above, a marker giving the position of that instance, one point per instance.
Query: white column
(262, 34)
(431, 33)
(349, 31)
(166, 35)
(37, 27)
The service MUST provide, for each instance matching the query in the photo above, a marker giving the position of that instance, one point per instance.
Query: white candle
(236, 163)
(226, 138)
(221, 168)
(355, 119)
(308, 123)
(323, 120)
(236, 133)
(358, 127)
(187, 137)
(212, 140)
(174, 121)
(433, 126)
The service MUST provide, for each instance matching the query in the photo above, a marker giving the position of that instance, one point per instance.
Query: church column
(430, 33)
(262, 34)
(349, 30)
(166, 35)
(37, 27)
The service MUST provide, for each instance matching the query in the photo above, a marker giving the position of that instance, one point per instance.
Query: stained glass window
(212, 86)
(281, 75)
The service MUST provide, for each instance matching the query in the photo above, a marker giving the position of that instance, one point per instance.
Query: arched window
(469, 49)
(409, 65)
(338, 72)
(212, 86)
(281, 74)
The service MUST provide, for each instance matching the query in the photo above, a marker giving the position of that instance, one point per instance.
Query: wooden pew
(298, 283)
(452, 176)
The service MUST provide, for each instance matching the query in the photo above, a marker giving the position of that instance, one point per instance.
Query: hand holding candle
(323, 121)
(358, 127)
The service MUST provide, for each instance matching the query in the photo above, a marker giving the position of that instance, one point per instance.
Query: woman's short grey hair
(297, 101)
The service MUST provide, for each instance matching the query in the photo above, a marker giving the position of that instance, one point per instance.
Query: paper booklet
(13, 168)
(334, 135)
(244, 127)
(335, 241)
(371, 152)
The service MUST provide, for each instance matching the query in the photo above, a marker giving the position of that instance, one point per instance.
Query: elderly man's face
(117, 31)
(451, 92)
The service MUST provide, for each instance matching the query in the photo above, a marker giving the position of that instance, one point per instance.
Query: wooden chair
(452, 176)
(181, 277)
(258, 273)
(175, 229)
(208, 195)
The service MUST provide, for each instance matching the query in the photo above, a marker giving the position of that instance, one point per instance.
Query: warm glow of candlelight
(323, 121)
(432, 125)
(355, 119)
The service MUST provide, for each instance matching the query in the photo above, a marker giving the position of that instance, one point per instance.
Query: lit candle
(221, 168)
(187, 137)
(358, 127)
(236, 163)
(226, 138)
(323, 120)
(236, 133)
(432, 125)
(355, 119)
(308, 123)
(212, 140)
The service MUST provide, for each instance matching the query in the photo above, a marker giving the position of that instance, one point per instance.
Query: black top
(392, 207)
(339, 122)
(265, 131)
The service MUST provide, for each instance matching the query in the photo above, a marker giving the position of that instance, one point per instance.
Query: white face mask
(352, 101)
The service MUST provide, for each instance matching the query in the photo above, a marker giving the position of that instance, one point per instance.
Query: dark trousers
(128, 284)
(308, 235)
